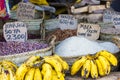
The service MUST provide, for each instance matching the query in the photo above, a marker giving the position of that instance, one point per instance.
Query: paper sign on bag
(90, 31)
(15, 31)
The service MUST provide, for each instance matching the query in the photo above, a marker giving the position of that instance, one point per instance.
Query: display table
(112, 76)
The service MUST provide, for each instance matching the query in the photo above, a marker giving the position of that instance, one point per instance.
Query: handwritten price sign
(67, 22)
(25, 11)
(90, 31)
(15, 31)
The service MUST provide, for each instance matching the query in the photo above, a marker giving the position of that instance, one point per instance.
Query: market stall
(59, 40)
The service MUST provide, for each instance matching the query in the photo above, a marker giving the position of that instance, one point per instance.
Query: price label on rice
(25, 11)
(15, 31)
(90, 31)
(107, 16)
(116, 21)
(67, 22)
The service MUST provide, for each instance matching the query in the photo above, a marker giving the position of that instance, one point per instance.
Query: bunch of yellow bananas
(46, 68)
(7, 70)
(94, 65)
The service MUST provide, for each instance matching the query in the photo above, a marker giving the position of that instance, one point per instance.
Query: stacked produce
(12, 47)
(47, 68)
(94, 65)
(62, 34)
(7, 70)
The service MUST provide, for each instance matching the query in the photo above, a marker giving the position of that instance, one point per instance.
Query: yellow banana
(30, 74)
(94, 70)
(37, 75)
(86, 69)
(77, 65)
(78, 1)
(100, 68)
(12, 74)
(63, 63)
(105, 64)
(110, 57)
(55, 77)
(39, 2)
(47, 71)
(5, 75)
(21, 71)
(55, 64)
(9, 64)
(1, 68)
(30, 61)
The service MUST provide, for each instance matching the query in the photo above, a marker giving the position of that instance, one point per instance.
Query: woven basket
(70, 60)
(21, 57)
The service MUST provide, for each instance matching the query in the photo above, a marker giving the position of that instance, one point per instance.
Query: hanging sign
(90, 31)
(67, 22)
(107, 16)
(116, 21)
(25, 11)
(15, 31)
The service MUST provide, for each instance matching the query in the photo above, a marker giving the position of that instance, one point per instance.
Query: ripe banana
(55, 77)
(21, 71)
(110, 57)
(100, 68)
(78, 1)
(39, 2)
(47, 71)
(37, 75)
(105, 64)
(94, 70)
(30, 61)
(55, 64)
(64, 64)
(12, 74)
(30, 74)
(86, 69)
(77, 65)
(1, 69)
(5, 75)
(8, 64)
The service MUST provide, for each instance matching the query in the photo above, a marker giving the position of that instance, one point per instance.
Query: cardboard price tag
(67, 22)
(90, 31)
(116, 21)
(25, 11)
(15, 31)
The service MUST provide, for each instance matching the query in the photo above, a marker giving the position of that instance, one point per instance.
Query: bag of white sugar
(78, 46)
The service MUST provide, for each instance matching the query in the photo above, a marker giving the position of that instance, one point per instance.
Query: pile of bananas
(7, 70)
(94, 65)
(46, 68)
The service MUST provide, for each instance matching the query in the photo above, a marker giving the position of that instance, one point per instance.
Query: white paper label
(15, 31)
(25, 11)
(90, 31)
(67, 22)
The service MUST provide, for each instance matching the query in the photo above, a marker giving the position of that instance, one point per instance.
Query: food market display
(60, 39)
(95, 65)
(62, 34)
(10, 48)
(35, 68)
